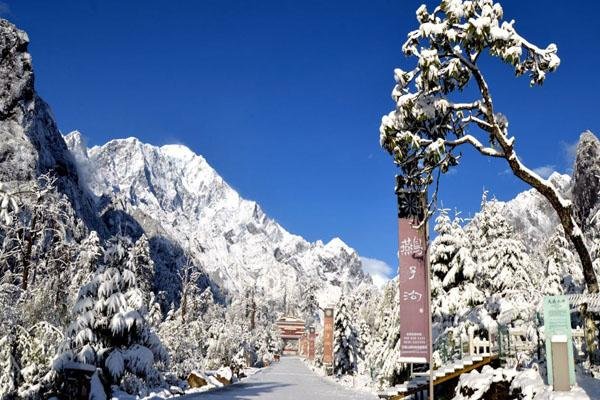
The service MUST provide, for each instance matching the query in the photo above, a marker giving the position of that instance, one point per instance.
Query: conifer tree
(451, 259)
(309, 305)
(503, 263)
(141, 264)
(109, 328)
(346, 342)
(382, 360)
(562, 271)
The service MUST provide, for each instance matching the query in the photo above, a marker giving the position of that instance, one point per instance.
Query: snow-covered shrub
(10, 374)
(267, 343)
(504, 383)
(25, 359)
(186, 344)
(36, 348)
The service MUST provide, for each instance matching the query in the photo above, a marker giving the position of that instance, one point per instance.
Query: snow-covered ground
(527, 383)
(289, 379)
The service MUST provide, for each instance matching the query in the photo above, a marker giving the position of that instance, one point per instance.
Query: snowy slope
(173, 192)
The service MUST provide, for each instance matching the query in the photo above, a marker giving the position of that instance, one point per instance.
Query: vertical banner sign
(413, 280)
(557, 323)
(311, 343)
(328, 337)
(301, 345)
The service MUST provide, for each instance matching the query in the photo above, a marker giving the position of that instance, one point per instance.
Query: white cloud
(379, 270)
(545, 170)
(570, 151)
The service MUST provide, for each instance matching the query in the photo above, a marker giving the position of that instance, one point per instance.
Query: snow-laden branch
(472, 140)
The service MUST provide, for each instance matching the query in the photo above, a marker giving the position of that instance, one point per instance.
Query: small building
(291, 330)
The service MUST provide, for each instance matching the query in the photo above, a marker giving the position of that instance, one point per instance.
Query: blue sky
(284, 98)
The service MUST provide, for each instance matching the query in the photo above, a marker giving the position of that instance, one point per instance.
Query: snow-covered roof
(290, 320)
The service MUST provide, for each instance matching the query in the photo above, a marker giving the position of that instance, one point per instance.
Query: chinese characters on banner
(413, 279)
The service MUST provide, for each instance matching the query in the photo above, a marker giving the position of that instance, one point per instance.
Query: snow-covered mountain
(174, 193)
(532, 216)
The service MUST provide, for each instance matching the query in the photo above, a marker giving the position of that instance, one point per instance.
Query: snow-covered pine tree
(562, 270)
(451, 260)
(346, 342)
(364, 334)
(505, 272)
(309, 306)
(155, 314)
(454, 290)
(141, 264)
(89, 253)
(109, 329)
(503, 263)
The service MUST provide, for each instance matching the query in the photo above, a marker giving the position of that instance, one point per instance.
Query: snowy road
(289, 379)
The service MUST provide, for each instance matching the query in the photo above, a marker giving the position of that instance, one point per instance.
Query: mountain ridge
(233, 239)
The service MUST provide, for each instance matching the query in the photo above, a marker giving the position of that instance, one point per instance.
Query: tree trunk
(28, 238)
(184, 303)
(586, 261)
(253, 314)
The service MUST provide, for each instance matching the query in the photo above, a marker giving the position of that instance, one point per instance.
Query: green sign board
(557, 323)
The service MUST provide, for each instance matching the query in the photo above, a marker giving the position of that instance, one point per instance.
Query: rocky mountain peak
(15, 68)
(586, 177)
(31, 142)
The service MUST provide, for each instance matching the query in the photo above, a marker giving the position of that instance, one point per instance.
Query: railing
(452, 348)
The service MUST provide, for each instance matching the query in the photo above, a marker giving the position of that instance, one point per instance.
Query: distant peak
(337, 243)
(588, 136)
(74, 136)
(178, 151)
(122, 141)
(76, 143)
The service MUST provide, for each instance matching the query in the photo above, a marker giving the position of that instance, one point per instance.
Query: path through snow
(288, 379)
